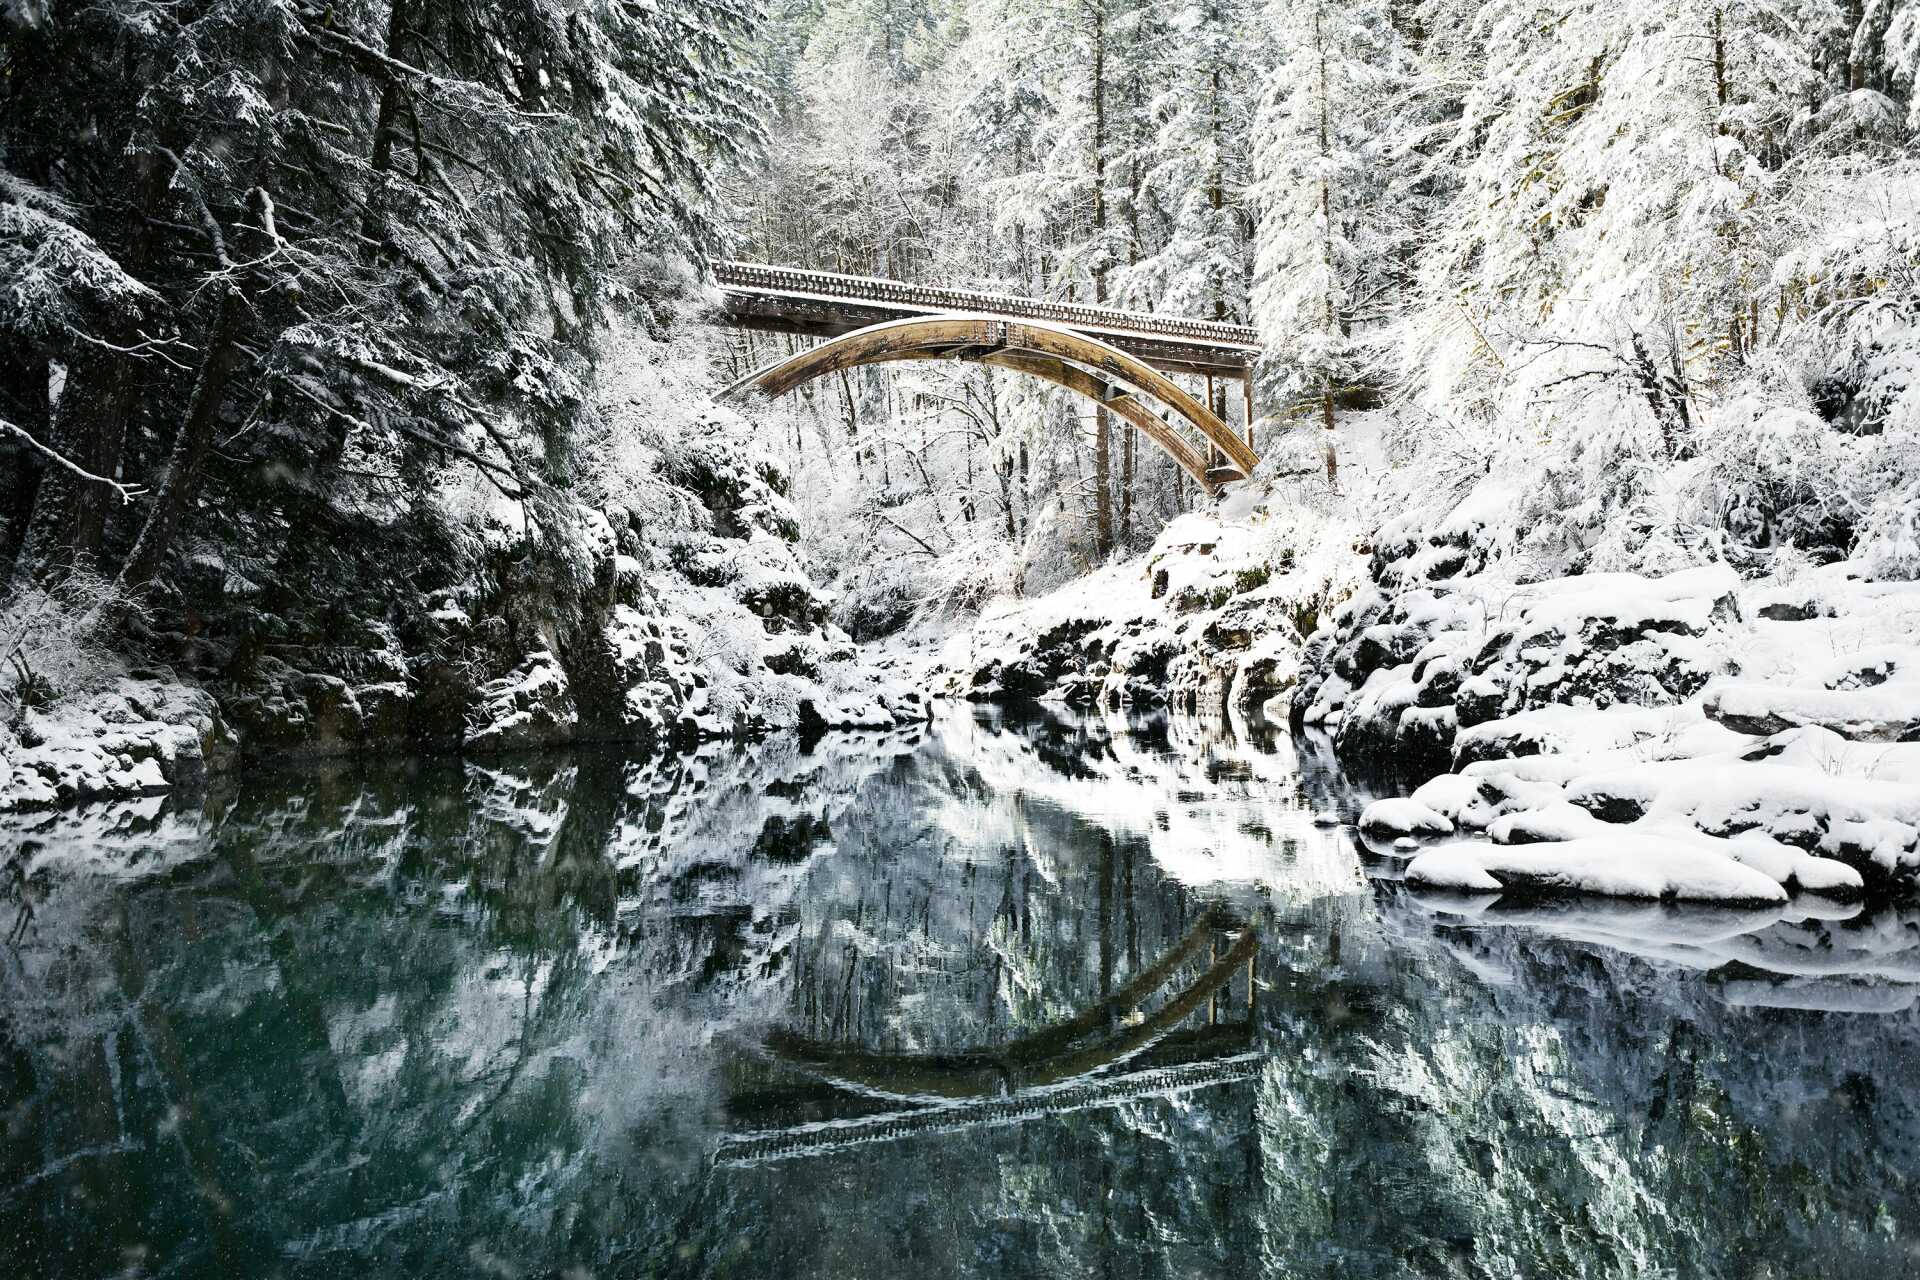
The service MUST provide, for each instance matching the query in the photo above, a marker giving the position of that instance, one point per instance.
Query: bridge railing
(827, 284)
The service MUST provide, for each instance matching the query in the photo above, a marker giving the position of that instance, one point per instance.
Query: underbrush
(57, 639)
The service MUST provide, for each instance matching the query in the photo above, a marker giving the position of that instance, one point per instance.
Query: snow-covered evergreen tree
(1322, 260)
(1193, 255)
(368, 243)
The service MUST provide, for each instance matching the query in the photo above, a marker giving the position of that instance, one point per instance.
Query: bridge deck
(823, 304)
(827, 1136)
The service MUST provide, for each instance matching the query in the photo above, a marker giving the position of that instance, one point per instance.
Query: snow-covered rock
(1869, 697)
(629, 628)
(531, 706)
(1629, 865)
(1212, 618)
(140, 736)
(1440, 673)
(1403, 818)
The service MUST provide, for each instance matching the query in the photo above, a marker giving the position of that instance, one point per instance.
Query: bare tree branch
(127, 492)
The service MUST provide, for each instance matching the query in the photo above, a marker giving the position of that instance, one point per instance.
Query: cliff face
(705, 628)
(661, 603)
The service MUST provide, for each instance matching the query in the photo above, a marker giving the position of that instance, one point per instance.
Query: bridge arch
(1122, 383)
(1112, 1031)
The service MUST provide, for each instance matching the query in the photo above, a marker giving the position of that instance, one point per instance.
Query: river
(1026, 995)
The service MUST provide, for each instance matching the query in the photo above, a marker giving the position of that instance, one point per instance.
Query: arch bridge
(1124, 361)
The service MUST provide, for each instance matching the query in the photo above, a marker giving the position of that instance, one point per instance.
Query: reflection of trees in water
(1499, 1105)
(439, 1018)
(400, 1013)
(1550, 1106)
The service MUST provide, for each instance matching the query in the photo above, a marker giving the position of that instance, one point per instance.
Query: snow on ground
(1679, 736)
(135, 737)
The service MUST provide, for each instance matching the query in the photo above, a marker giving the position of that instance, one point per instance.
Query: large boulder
(1415, 662)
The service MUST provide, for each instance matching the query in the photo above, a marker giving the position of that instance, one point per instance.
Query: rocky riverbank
(1709, 733)
(1214, 616)
(1703, 734)
(659, 635)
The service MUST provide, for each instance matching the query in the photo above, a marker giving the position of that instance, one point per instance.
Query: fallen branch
(875, 515)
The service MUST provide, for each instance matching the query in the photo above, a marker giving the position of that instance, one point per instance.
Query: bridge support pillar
(1246, 397)
(1213, 459)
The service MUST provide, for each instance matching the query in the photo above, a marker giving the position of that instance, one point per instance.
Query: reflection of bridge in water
(827, 1136)
(1064, 1068)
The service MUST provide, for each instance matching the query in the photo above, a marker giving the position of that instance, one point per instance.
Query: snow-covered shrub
(1885, 478)
(961, 583)
(1890, 532)
(1058, 548)
(1768, 474)
(879, 598)
(1310, 535)
(56, 639)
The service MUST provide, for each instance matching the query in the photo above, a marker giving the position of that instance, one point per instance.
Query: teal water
(1005, 997)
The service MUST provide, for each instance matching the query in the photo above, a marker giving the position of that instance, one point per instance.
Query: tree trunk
(104, 391)
(1326, 251)
(90, 427)
(1331, 451)
(1133, 257)
(389, 108)
(1102, 427)
(1720, 85)
(1026, 489)
(190, 448)
(1216, 184)
(853, 423)
(23, 397)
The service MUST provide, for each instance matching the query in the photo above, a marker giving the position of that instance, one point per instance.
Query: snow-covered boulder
(1810, 829)
(1869, 825)
(1872, 696)
(1422, 658)
(1603, 640)
(139, 736)
(1627, 865)
(1409, 817)
(530, 706)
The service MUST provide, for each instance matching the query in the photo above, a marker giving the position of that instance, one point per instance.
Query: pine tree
(1195, 160)
(1318, 187)
(374, 240)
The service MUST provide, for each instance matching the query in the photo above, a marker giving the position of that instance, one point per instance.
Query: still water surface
(1003, 997)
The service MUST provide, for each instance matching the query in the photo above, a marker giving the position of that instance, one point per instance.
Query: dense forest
(357, 366)
(1659, 259)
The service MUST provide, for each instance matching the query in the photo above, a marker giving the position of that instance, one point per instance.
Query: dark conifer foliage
(274, 265)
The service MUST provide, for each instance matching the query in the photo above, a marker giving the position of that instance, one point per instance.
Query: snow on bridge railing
(827, 284)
